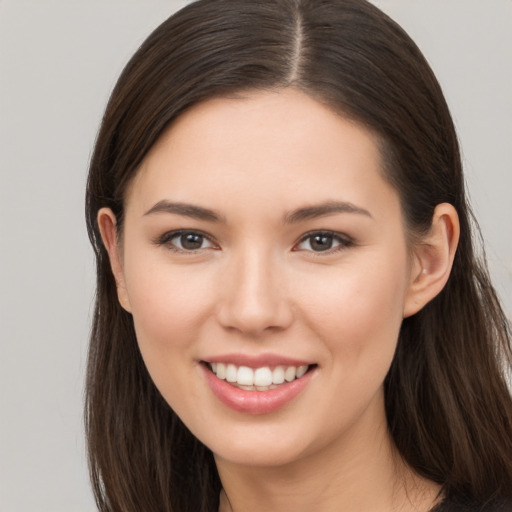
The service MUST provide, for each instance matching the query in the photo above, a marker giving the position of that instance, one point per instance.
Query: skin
(258, 286)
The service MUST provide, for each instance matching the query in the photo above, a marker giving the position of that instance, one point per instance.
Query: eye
(323, 241)
(186, 241)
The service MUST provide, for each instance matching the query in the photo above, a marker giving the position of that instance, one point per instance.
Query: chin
(277, 445)
(257, 455)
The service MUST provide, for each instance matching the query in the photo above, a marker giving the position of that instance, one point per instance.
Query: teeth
(290, 373)
(301, 370)
(231, 373)
(278, 375)
(220, 371)
(261, 379)
(245, 376)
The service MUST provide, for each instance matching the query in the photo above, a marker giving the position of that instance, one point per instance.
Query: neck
(360, 471)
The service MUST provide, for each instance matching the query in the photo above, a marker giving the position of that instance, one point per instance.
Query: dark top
(448, 505)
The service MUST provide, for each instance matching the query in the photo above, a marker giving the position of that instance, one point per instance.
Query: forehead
(266, 147)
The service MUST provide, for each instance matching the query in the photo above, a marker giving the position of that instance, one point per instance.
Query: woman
(290, 314)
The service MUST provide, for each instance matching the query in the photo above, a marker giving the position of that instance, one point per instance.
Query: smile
(257, 386)
(257, 379)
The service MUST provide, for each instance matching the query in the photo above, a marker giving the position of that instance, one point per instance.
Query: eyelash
(343, 241)
(166, 239)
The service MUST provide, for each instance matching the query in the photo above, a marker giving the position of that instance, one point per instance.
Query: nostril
(253, 317)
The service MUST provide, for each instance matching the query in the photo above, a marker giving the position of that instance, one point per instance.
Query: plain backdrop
(59, 60)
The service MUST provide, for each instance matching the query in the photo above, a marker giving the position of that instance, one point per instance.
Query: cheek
(169, 307)
(358, 312)
(169, 304)
(357, 318)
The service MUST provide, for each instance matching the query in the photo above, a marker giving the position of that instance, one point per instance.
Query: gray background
(58, 61)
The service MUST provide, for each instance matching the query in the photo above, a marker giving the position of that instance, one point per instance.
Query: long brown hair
(448, 405)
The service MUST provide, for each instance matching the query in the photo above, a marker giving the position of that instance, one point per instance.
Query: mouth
(264, 378)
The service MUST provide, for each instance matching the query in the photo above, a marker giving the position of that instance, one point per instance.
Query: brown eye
(323, 242)
(186, 241)
(191, 241)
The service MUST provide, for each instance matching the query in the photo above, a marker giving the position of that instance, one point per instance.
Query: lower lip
(255, 402)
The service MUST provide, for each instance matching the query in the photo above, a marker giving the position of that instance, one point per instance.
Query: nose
(254, 296)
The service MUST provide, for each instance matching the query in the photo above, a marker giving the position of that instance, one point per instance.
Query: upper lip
(258, 361)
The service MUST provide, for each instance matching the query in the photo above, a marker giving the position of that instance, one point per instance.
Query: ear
(108, 229)
(433, 259)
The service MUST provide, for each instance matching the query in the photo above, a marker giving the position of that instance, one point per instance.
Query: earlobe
(433, 259)
(108, 229)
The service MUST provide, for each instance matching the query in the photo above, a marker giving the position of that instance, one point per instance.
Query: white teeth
(278, 375)
(263, 376)
(231, 373)
(221, 371)
(290, 373)
(301, 370)
(245, 376)
(261, 379)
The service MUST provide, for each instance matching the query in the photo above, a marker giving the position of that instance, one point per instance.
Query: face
(261, 245)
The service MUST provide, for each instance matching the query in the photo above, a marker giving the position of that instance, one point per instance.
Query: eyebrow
(295, 216)
(186, 210)
(327, 208)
